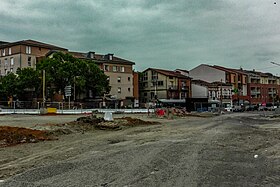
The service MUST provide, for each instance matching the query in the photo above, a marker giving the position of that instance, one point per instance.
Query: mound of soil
(136, 121)
(14, 135)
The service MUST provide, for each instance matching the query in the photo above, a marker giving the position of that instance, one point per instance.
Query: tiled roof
(215, 84)
(32, 43)
(3, 43)
(99, 58)
(229, 69)
(200, 82)
(169, 73)
(183, 70)
(78, 55)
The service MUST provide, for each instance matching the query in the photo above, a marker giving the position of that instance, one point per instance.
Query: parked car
(251, 108)
(228, 109)
(238, 109)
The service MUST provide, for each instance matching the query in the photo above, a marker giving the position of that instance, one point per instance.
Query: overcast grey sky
(154, 33)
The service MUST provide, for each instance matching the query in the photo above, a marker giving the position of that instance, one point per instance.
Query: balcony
(184, 88)
(170, 87)
(272, 92)
(226, 97)
(255, 92)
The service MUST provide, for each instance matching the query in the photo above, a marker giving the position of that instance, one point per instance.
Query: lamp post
(221, 96)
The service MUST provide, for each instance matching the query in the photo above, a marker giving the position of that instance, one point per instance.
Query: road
(229, 150)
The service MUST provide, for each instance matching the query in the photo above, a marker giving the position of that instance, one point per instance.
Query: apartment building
(248, 87)
(27, 53)
(22, 54)
(237, 78)
(216, 92)
(163, 84)
(124, 87)
(263, 88)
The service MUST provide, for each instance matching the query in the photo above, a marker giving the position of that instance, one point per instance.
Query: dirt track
(217, 151)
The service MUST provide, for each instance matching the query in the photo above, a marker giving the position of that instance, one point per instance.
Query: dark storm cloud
(163, 34)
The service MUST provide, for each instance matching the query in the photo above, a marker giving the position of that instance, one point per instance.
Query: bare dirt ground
(240, 149)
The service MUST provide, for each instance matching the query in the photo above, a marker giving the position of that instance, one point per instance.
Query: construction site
(172, 148)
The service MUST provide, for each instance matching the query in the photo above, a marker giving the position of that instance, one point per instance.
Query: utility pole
(44, 87)
(221, 95)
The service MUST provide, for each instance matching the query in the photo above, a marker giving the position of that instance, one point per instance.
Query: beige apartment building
(27, 53)
(22, 54)
(120, 74)
(159, 84)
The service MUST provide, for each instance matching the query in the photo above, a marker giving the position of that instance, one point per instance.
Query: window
(3, 52)
(106, 67)
(128, 89)
(183, 95)
(28, 50)
(114, 68)
(128, 79)
(152, 95)
(160, 83)
(119, 90)
(154, 76)
(29, 61)
(122, 69)
(145, 76)
(6, 62)
(170, 77)
(110, 57)
(12, 69)
(6, 71)
(171, 83)
(12, 61)
(10, 51)
(145, 94)
(119, 79)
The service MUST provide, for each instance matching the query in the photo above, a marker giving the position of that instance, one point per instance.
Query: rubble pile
(116, 124)
(135, 122)
(179, 112)
(14, 135)
(167, 112)
(97, 123)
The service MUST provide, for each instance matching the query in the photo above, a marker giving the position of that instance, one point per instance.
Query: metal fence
(29, 107)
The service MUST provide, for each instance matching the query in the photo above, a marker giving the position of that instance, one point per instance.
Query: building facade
(248, 87)
(22, 54)
(156, 84)
(263, 88)
(27, 53)
(121, 77)
(216, 92)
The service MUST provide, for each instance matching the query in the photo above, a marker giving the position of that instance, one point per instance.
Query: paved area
(230, 150)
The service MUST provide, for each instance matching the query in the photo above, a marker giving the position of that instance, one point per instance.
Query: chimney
(110, 56)
(91, 54)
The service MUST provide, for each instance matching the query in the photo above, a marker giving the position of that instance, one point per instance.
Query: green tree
(28, 80)
(96, 80)
(9, 86)
(59, 69)
(63, 69)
